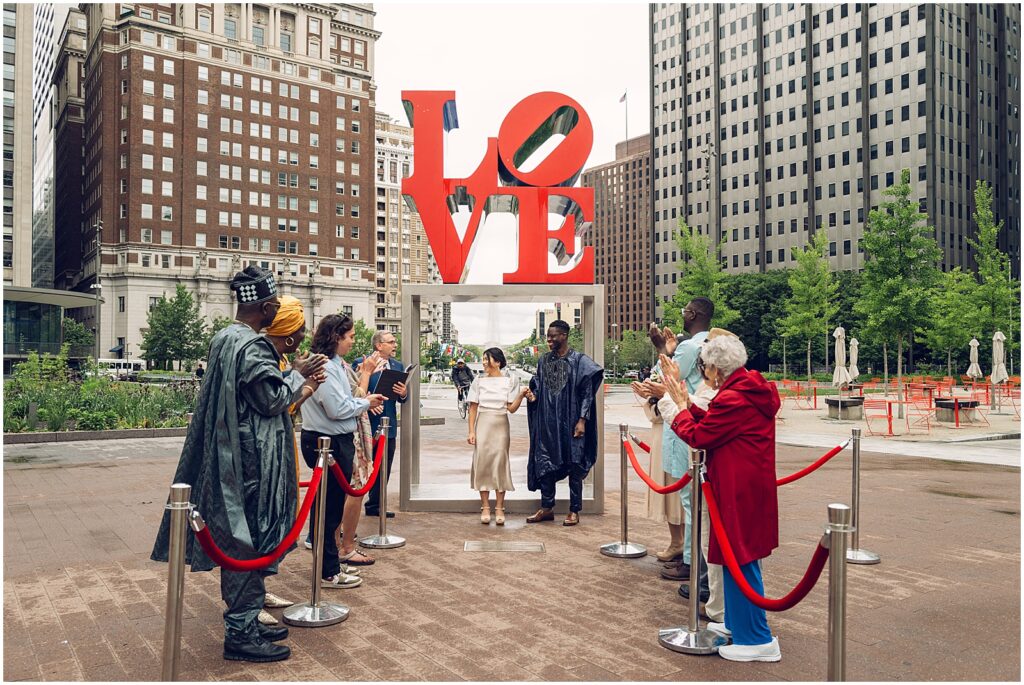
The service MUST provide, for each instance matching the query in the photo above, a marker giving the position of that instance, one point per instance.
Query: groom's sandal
(571, 519)
(541, 515)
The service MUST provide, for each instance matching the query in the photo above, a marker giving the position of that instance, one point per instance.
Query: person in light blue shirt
(333, 411)
(675, 455)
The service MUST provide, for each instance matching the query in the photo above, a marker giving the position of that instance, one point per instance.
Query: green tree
(953, 320)
(77, 335)
(701, 276)
(363, 344)
(218, 324)
(899, 270)
(759, 300)
(812, 302)
(176, 330)
(997, 297)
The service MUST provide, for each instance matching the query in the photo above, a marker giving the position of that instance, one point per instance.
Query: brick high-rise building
(220, 135)
(402, 251)
(621, 235)
(770, 121)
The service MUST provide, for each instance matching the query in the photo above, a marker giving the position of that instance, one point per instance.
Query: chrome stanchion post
(856, 555)
(624, 549)
(691, 639)
(382, 540)
(177, 503)
(318, 613)
(839, 518)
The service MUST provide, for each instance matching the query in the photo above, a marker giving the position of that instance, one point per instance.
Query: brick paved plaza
(83, 602)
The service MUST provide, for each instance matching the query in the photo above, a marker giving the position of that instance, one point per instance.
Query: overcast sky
(493, 56)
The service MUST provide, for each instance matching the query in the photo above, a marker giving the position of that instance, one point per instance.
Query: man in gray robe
(239, 458)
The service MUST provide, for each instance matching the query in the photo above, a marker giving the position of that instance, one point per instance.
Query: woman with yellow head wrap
(286, 333)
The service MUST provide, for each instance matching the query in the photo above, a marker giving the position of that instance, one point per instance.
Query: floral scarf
(362, 465)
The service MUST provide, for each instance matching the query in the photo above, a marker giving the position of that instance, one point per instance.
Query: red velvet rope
(813, 467)
(303, 483)
(339, 475)
(643, 445)
(215, 553)
(660, 489)
(805, 585)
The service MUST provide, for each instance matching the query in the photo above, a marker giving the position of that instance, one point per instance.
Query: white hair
(726, 353)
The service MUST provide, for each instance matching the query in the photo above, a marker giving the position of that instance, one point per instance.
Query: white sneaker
(342, 581)
(350, 570)
(266, 618)
(720, 629)
(308, 544)
(765, 652)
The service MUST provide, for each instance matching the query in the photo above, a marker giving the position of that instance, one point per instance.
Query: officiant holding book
(384, 345)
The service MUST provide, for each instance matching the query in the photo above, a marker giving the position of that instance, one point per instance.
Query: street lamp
(784, 355)
(97, 286)
(615, 361)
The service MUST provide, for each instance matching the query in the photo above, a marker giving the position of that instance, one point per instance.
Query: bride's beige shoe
(485, 514)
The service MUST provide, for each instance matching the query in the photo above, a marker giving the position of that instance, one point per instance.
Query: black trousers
(344, 451)
(244, 594)
(547, 492)
(372, 502)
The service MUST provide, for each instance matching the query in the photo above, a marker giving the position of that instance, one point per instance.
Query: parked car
(635, 375)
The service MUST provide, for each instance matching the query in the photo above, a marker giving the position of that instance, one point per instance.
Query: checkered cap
(252, 290)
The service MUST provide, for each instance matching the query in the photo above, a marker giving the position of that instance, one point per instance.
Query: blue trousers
(748, 623)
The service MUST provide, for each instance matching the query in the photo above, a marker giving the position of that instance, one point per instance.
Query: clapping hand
(376, 401)
(640, 389)
(676, 389)
(309, 365)
(369, 364)
(654, 388)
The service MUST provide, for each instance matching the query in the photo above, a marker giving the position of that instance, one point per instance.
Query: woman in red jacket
(738, 432)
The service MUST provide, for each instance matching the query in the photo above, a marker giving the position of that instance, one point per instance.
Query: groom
(563, 424)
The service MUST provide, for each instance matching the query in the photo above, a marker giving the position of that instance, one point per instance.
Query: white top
(493, 392)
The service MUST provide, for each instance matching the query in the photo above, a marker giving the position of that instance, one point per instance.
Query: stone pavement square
(83, 602)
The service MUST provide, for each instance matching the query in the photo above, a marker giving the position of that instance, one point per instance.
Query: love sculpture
(499, 184)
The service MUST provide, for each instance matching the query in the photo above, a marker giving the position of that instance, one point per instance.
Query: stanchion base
(382, 542)
(623, 550)
(306, 616)
(862, 556)
(685, 642)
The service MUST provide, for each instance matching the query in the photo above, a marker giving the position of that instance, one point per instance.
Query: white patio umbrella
(999, 374)
(841, 376)
(854, 371)
(974, 371)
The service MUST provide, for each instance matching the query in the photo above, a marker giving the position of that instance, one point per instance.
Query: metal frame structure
(417, 496)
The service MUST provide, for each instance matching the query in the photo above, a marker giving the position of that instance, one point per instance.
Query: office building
(17, 250)
(771, 121)
(621, 235)
(402, 250)
(48, 17)
(217, 136)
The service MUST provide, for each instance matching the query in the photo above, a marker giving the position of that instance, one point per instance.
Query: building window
(259, 35)
(231, 29)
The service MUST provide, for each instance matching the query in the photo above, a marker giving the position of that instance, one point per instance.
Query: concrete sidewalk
(83, 602)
